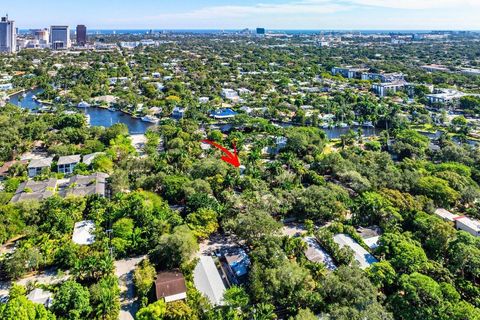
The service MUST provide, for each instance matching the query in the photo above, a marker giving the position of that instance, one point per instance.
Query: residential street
(124, 271)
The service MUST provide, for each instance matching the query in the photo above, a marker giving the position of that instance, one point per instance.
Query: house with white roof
(83, 232)
(469, 225)
(41, 296)
(446, 215)
(362, 256)
(207, 280)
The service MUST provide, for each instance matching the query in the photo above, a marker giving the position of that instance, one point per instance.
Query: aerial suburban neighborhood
(239, 174)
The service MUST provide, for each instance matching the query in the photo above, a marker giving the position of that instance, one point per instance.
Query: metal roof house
(83, 232)
(223, 114)
(446, 215)
(88, 158)
(170, 286)
(315, 253)
(362, 256)
(469, 225)
(40, 296)
(36, 166)
(207, 280)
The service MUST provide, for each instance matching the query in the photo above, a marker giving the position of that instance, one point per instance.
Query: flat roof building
(446, 215)
(8, 36)
(81, 35)
(383, 89)
(469, 225)
(60, 37)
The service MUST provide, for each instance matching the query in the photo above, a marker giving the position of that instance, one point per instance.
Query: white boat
(83, 104)
(34, 97)
(150, 119)
(112, 109)
(343, 125)
(368, 124)
(24, 95)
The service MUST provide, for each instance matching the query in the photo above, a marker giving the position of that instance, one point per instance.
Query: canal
(106, 118)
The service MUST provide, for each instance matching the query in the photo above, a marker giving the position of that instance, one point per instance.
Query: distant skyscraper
(60, 37)
(260, 31)
(81, 35)
(42, 35)
(8, 35)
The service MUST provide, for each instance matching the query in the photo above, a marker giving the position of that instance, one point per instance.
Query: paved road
(293, 229)
(124, 271)
(216, 242)
(49, 276)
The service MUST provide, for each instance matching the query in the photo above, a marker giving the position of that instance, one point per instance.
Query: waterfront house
(223, 114)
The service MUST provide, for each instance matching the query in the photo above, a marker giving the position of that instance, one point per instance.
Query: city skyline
(272, 14)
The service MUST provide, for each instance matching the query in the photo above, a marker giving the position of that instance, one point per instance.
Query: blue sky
(237, 14)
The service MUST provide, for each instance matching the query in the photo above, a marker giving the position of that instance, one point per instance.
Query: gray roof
(316, 253)
(36, 190)
(40, 163)
(81, 186)
(208, 281)
(69, 159)
(88, 158)
(363, 257)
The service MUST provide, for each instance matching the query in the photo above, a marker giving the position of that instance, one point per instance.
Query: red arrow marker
(229, 157)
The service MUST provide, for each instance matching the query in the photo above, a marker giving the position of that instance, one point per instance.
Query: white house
(362, 256)
(207, 280)
(469, 225)
(83, 232)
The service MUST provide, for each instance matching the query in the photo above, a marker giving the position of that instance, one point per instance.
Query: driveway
(124, 271)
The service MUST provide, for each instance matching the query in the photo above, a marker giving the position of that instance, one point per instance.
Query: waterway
(106, 118)
(98, 116)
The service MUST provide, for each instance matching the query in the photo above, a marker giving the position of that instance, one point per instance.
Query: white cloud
(418, 4)
(317, 14)
(298, 8)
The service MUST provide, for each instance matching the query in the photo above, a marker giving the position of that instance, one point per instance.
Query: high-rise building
(8, 35)
(261, 31)
(60, 37)
(42, 35)
(81, 35)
